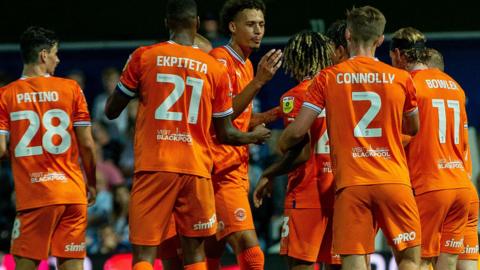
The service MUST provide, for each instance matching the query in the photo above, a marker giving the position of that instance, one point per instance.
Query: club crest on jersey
(240, 214)
(287, 104)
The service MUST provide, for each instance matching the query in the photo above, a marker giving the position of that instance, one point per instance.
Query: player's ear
(379, 41)
(232, 27)
(42, 56)
(198, 23)
(348, 35)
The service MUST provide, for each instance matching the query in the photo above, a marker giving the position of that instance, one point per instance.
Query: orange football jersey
(180, 89)
(436, 155)
(365, 100)
(234, 159)
(311, 184)
(40, 114)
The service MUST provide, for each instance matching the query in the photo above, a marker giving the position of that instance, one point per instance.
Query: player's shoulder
(220, 51)
(297, 92)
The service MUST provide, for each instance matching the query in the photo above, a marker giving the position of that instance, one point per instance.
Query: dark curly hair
(232, 7)
(34, 40)
(336, 33)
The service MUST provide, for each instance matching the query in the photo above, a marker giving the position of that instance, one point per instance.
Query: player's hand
(261, 133)
(91, 195)
(268, 66)
(263, 188)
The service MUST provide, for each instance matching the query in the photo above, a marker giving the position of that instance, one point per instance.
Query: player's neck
(416, 66)
(364, 51)
(34, 70)
(244, 52)
(183, 37)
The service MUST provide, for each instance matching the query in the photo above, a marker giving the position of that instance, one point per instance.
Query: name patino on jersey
(177, 136)
(366, 152)
(48, 96)
(39, 177)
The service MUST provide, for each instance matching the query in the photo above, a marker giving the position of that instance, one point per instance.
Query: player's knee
(354, 262)
(23, 263)
(447, 261)
(243, 240)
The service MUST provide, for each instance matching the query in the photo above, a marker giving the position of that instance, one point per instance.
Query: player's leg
(214, 250)
(68, 240)
(152, 200)
(169, 251)
(235, 217)
(195, 219)
(397, 215)
(326, 256)
(453, 230)
(353, 223)
(468, 260)
(32, 235)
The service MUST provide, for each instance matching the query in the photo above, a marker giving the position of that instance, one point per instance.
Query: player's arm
(294, 157)
(296, 131)
(226, 133)
(411, 123)
(115, 104)
(3, 146)
(86, 147)
(267, 67)
(267, 117)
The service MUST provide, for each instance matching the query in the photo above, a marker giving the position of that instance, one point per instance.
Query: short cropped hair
(34, 40)
(183, 12)
(365, 24)
(435, 59)
(411, 43)
(336, 33)
(231, 8)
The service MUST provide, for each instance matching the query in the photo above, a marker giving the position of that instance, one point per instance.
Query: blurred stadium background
(97, 37)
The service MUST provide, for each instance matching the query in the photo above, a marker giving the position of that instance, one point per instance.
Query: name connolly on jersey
(48, 96)
(363, 78)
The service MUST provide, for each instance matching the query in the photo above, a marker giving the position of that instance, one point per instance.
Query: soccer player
(180, 89)
(306, 234)
(367, 103)
(336, 33)
(436, 155)
(244, 21)
(49, 126)
(468, 259)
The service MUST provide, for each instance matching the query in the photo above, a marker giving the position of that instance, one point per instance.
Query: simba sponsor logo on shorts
(39, 177)
(454, 244)
(450, 164)
(240, 214)
(72, 247)
(176, 136)
(470, 250)
(205, 225)
(404, 237)
(366, 152)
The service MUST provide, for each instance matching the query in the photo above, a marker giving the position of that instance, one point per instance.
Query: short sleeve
(222, 102)
(130, 78)
(315, 96)
(4, 117)
(410, 97)
(81, 116)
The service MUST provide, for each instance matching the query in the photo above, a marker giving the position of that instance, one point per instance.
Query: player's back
(365, 101)
(436, 155)
(40, 114)
(311, 184)
(240, 72)
(177, 87)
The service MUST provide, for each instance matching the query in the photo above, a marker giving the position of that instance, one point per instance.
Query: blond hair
(411, 43)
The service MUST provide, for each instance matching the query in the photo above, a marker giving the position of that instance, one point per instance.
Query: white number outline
(162, 112)
(321, 147)
(442, 119)
(361, 129)
(24, 150)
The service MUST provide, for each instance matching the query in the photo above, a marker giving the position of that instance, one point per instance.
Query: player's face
(396, 58)
(51, 60)
(248, 28)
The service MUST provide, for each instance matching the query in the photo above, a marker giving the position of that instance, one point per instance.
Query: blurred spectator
(78, 76)
(108, 240)
(111, 146)
(126, 160)
(7, 206)
(210, 30)
(110, 77)
(121, 199)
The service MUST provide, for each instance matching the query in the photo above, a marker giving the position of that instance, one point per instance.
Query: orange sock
(251, 259)
(213, 263)
(196, 266)
(143, 266)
